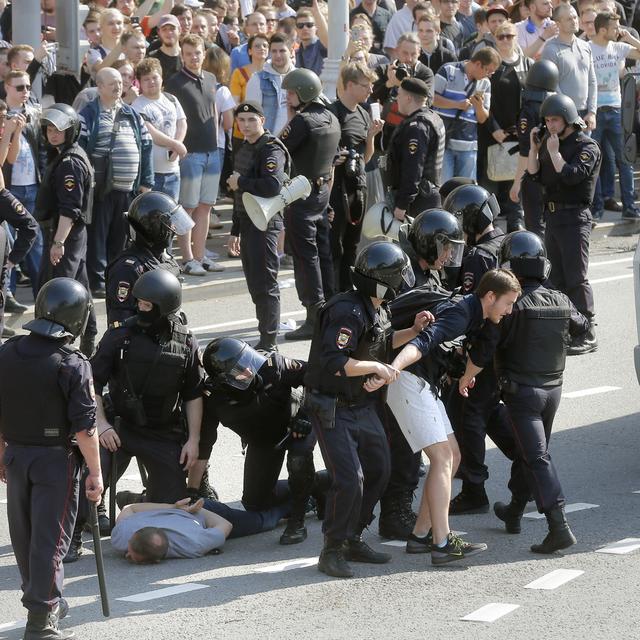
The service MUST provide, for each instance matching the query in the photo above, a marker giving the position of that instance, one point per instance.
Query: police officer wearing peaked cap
(312, 138)
(260, 167)
(416, 151)
(38, 462)
(155, 218)
(64, 204)
(566, 162)
(352, 340)
(531, 383)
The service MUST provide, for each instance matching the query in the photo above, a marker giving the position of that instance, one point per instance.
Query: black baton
(113, 476)
(97, 550)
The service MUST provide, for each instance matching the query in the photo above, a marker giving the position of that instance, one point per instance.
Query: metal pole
(25, 24)
(338, 39)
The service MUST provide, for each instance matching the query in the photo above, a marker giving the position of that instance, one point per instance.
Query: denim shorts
(199, 179)
(168, 183)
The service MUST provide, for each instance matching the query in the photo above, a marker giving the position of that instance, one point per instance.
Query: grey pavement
(257, 588)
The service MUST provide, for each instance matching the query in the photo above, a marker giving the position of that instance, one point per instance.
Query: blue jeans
(609, 128)
(168, 183)
(27, 196)
(459, 164)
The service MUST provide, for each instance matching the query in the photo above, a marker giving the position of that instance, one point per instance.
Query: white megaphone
(379, 222)
(261, 210)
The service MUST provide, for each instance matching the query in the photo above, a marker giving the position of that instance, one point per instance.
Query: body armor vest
(489, 248)
(41, 423)
(374, 344)
(154, 373)
(148, 260)
(537, 355)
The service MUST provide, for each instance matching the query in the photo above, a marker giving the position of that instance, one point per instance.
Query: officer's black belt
(341, 401)
(560, 206)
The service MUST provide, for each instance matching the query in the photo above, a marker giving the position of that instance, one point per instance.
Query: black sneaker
(468, 503)
(455, 549)
(631, 214)
(419, 545)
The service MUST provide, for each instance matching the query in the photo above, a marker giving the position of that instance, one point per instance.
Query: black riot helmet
(474, 206)
(563, 106)
(452, 184)
(63, 118)
(382, 269)
(433, 234)
(156, 217)
(304, 83)
(523, 253)
(162, 289)
(62, 309)
(231, 361)
(543, 76)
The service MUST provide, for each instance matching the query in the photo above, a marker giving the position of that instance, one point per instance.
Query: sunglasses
(506, 36)
(21, 87)
(302, 25)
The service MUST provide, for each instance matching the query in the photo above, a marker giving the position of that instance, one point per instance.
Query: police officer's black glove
(300, 426)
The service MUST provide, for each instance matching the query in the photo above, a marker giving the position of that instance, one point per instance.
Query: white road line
(490, 612)
(554, 579)
(570, 508)
(234, 323)
(621, 547)
(10, 626)
(131, 476)
(395, 543)
(594, 391)
(611, 279)
(298, 563)
(606, 262)
(636, 492)
(163, 593)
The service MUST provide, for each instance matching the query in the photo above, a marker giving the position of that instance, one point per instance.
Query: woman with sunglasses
(507, 84)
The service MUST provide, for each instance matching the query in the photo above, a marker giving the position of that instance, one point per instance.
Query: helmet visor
(245, 369)
(61, 121)
(491, 207)
(181, 221)
(408, 276)
(449, 252)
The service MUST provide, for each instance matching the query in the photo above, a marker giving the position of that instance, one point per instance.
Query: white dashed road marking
(554, 579)
(298, 563)
(237, 323)
(570, 508)
(621, 547)
(490, 612)
(163, 593)
(11, 626)
(611, 278)
(594, 391)
(606, 262)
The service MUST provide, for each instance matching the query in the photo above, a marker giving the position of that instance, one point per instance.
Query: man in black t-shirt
(169, 51)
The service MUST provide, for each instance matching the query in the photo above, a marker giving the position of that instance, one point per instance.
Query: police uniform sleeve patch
(467, 281)
(344, 337)
(69, 182)
(585, 156)
(285, 132)
(122, 292)
(523, 125)
(17, 207)
(413, 146)
(271, 164)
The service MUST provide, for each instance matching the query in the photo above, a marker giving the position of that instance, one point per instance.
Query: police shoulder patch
(344, 337)
(523, 124)
(467, 281)
(18, 208)
(69, 182)
(584, 156)
(285, 132)
(122, 293)
(271, 164)
(413, 145)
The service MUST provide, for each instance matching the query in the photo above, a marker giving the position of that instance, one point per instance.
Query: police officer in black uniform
(155, 218)
(243, 388)
(531, 382)
(566, 162)
(352, 340)
(427, 242)
(260, 167)
(38, 463)
(416, 151)
(64, 204)
(541, 82)
(311, 137)
(155, 377)
(482, 412)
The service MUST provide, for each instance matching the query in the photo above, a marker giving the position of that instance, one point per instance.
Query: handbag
(502, 160)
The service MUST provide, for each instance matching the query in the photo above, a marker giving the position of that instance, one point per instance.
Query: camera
(135, 21)
(402, 71)
(352, 163)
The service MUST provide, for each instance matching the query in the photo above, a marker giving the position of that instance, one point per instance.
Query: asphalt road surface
(257, 588)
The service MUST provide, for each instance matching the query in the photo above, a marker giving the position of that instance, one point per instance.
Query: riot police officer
(416, 151)
(429, 242)
(566, 161)
(541, 82)
(64, 204)
(311, 137)
(243, 388)
(352, 340)
(38, 463)
(153, 370)
(260, 167)
(155, 218)
(480, 413)
(531, 383)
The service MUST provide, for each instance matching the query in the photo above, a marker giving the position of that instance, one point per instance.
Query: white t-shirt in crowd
(608, 62)
(224, 102)
(23, 170)
(163, 113)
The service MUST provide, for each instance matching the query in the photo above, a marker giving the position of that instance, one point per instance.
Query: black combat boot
(44, 626)
(305, 330)
(471, 499)
(206, 490)
(104, 523)
(357, 550)
(559, 536)
(123, 498)
(332, 560)
(301, 479)
(584, 343)
(75, 549)
(397, 518)
(511, 514)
